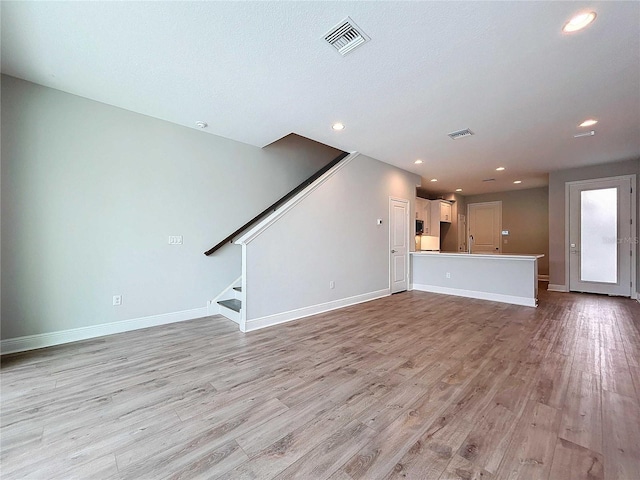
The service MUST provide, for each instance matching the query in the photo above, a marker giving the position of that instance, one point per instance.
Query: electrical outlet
(117, 300)
(332, 284)
(448, 275)
(175, 239)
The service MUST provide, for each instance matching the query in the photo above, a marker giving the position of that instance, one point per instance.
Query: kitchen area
(446, 262)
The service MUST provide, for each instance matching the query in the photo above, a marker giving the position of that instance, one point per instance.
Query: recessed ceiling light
(499, 169)
(337, 126)
(201, 124)
(579, 21)
(434, 179)
(458, 189)
(517, 181)
(418, 161)
(588, 123)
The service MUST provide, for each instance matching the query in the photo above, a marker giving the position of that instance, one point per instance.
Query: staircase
(229, 302)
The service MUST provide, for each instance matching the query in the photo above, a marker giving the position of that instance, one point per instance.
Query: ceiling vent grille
(346, 36)
(460, 134)
(489, 180)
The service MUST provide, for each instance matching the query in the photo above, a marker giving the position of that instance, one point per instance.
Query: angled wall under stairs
(327, 235)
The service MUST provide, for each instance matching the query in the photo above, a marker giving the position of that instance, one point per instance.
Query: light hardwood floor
(415, 385)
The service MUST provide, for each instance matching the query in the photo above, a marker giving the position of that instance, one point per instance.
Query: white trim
(557, 288)
(408, 240)
(228, 289)
(543, 278)
(254, 232)
(32, 342)
(213, 308)
(231, 314)
(494, 297)
(243, 311)
(269, 320)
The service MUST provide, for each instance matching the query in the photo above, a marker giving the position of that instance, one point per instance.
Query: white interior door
(485, 226)
(601, 244)
(399, 243)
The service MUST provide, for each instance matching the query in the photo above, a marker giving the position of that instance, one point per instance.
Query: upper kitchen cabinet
(440, 212)
(445, 211)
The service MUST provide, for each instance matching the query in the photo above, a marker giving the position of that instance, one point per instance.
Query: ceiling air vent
(460, 134)
(346, 36)
(489, 180)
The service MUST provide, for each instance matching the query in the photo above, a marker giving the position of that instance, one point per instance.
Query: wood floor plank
(531, 450)
(462, 469)
(379, 456)
(573, 462)
(553, 380)
(415, 385)
(486, 444)
(616, 375)
(433, 450)
(621, 437)
(324, 460)
(582, 412)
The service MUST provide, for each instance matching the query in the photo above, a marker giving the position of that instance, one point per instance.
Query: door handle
(393, 251)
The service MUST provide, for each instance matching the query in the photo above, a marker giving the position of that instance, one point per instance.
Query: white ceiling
(256, 71)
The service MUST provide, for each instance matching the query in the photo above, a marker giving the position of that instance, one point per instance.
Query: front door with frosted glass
(601, 243)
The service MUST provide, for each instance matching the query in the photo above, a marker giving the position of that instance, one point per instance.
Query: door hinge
(631, 190)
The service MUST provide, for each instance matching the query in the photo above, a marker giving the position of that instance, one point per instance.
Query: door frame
(408, 238)
(495, 202)
(567, 248)
(462, 242)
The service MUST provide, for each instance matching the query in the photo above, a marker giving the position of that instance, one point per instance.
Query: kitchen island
(508, 278)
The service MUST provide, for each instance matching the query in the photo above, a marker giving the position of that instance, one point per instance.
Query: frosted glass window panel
(599, 235)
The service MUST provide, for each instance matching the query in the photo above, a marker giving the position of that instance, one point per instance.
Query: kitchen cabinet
(445, 211)
(423, 212)
(440, 212)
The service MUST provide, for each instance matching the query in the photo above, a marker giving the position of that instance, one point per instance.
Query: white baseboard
(213, 308)
(543, 278)
(495, 297)
(32, 342)
(269, 320)
(557, 288)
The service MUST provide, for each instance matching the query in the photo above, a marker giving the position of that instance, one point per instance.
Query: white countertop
(503, 256)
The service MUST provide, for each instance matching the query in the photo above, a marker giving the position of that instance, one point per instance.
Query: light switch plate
(175, 240)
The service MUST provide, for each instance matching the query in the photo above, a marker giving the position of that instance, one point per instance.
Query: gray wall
(91, 192)
(332, 235)
(557, 181)
(525, 213)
